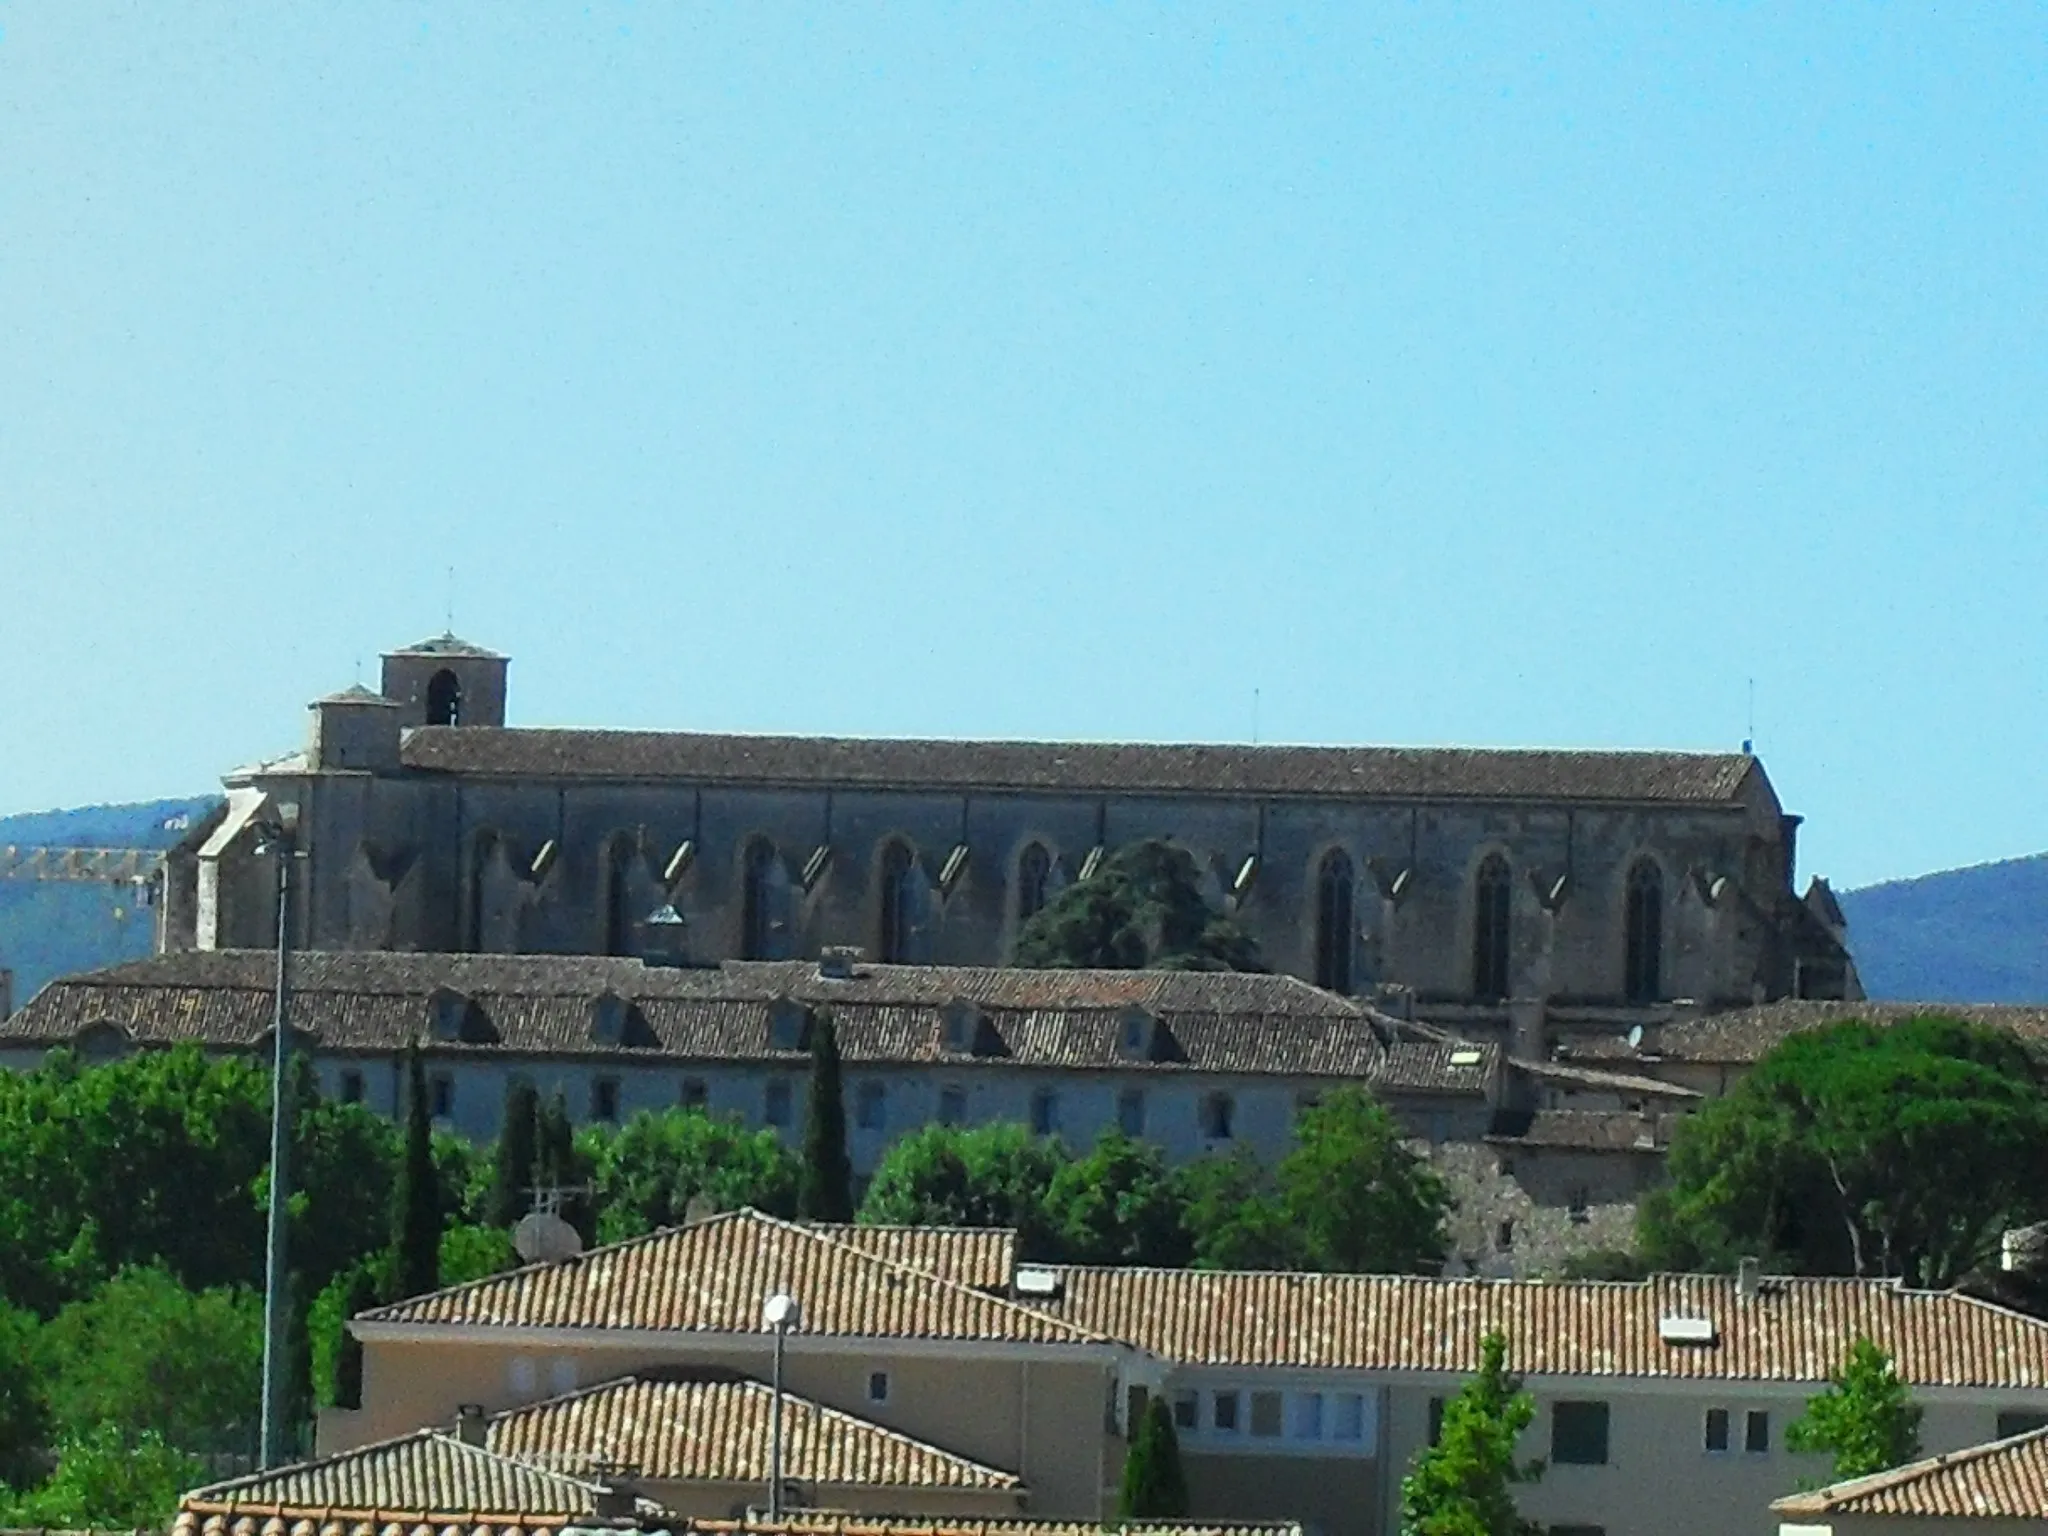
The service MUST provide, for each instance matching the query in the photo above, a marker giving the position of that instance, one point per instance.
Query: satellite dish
(1635, 1037)
(544, 1238)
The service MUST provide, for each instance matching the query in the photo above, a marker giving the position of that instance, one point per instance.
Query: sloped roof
(1352, 773)
(822, 1524)
(1743, 1036)
(711, 1277)
(2004, 1480)
(445, 644)
(1218, 1022)
(981, 1257)
(1583, 1130)
(710, 1425)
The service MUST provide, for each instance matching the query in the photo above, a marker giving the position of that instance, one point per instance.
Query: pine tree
(826, 1193)
(1154, 1487)
(1464, 1484)
(1865, 1419)
(513, 1169)
(416, 1218)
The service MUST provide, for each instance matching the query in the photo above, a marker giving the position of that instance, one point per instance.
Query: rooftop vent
(836, 961)
(1036, 1281)
(1688, 1330)
(1467, 1058)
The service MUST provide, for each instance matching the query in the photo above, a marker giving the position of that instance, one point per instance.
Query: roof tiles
(2005, 1480)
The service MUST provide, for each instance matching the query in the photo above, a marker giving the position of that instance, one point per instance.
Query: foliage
(1154, 1486)
(994, 1175)
(337, 1355)
(1464, 1484)
(560, 1163)
(1117, 1205)
(470, 1252)
(512, 1169)
(1142, 908)
(1862, 1150)
(1865, 1420)
(1232, 1218)
(416, 1212)
(1606, 1264)
(1358, 1199)
(23, 1421)
(825, 1192)
(107, 1479)
(647, 1171)
(148, 1355)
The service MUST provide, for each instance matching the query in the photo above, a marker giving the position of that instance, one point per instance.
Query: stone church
(1509, 891)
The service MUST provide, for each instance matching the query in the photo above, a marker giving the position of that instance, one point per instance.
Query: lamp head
(781, 1312)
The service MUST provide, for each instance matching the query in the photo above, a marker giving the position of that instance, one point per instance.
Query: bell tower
(446, 681)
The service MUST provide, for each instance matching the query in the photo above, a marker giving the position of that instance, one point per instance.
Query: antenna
(1255, 717)
(451, 600)
(1749, 736)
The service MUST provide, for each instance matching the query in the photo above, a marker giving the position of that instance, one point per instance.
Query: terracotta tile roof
(890, 1015)
(2005, 1480)
(448, 644)
(708, 1425)
(1741, 1036)
(981, 1257)
(1023, 1525)
(1610, 1081)
(1582, 1130)
(712, 1276)
(422, 1474)
(1797, 1330)
(1352, 773)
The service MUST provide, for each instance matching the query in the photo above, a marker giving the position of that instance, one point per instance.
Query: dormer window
(787, 1022)
(448, 1013)
(1135, 1031)
(608, 1019)
(961, 1027)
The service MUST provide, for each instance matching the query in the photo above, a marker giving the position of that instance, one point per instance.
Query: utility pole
(276, 1310)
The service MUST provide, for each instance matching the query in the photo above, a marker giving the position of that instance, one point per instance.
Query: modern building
(1661, 1405)
(2000, 1489)
(1495, 890)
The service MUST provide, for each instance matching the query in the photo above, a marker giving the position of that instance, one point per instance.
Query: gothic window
(1642, 974)
(1034, 876)
(1335, 892)
(444, 699)
(476, 927)
(761, 924)
(1491, 904)
(618, 915)
(902, 893)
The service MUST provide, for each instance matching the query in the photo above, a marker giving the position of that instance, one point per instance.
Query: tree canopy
(1865, 1420)
(994, 1175)
(1143, 908)
(1116, 1205)
(648, 1170)
(1857, 1149)
(1154, 1485)
(1357, 1200)
(1464, 1485)
(825, 1184)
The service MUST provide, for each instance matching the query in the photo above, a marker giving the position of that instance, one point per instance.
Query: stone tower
(446, 681)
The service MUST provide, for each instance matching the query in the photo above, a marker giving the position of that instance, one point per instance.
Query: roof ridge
(422, 1436)
(1918, 1471)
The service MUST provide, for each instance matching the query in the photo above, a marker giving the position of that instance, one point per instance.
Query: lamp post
(276, 839)
(781, 1313)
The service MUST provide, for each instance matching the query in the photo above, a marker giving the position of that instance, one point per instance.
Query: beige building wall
(725, 1501)
(1330, 1497)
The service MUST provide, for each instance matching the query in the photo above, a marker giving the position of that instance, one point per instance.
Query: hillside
(1977, 935)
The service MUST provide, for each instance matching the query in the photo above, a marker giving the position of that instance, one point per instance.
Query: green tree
(1358, 1199)
(107, 1479)
(1464, 1485)
(24, 1423)
(1232, 1217)
(416, 1213)
(512, 1176)
(1864, 1420)
(1117, 1205)
(337, 1364)
(563, 1164)
(471, 1252)
(994, 1175)
(1857, 1149)
(150, 1356)
(648, 1170)
(1154, 1486)
(826, 1190)
(1142, 909)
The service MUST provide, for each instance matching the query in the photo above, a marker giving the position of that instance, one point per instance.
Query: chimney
(836, 962)
(615, 1499)
(470, 1425)
(1749, 1279)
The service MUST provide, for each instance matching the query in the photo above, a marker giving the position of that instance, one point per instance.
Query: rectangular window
(1578, 1530)
(1717, 1430)
(604, 1099)
(351, 1087)
(1305, 1421)
(1130, 1112)
(1187, 1410)
(1224, 1411)
(1756, 1432)
(1578, 1434)
(775, 1102)
(871, 1106)
(1045, 1112)
(2020, 1421)
(1436, 1420)
(695, 1094)
(952, 1106)
(1347, 1416)
(878, 1386)
(1266, 1415)
(1219, 1116)
(441, 1095)
(1136, 1400)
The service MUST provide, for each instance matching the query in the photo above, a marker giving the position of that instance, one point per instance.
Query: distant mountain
(1976, 935)
(50, 927)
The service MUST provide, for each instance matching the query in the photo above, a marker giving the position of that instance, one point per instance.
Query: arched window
(1643, 965)
(618, 895)
(1492, 904)
(902, 892)
(444, 699)
(762, 928)
(1034, 874)
(1335, 926)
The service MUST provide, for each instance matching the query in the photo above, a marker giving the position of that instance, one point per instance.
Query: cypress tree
(518, 1147)
(1154, 1487)
(556, 1165)
(416, 1219)
(826, 1190)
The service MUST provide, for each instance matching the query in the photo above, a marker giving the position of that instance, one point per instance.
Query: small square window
(776, 1102)
(1436, 1419)
(1130, 1112)
(351, 1087)
(1223, 1410)
(604, 1099)
(1504, 1235)
(878, 1386)
(1578, 1434)
(1347, 1416)
(1187, 1410)
(952, 1106)
(1756, 1432)
(1219, 1116)
(441, 1095)
(1579, 1205)
(1266, 1415)
(871, 1106)
(1305, 1418)
(695, 1094)
(1717, 1430)
(1045, 1112)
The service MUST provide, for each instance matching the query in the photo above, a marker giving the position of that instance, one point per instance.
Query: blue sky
(1521, 375)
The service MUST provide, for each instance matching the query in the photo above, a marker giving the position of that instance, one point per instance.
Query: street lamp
(276, 838)
(781, 1313)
